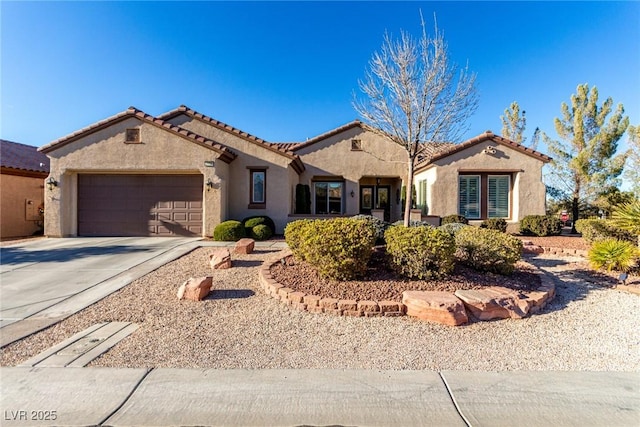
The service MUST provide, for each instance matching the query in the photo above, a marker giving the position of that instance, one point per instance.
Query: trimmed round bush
(453, 227)
(594, 230)
(460, 219)
(261, 232)
(613, 255)
(252, 221)
(229, 231)
(488, 250)
(378, 225)
(541, 225)
(338, 248)
(498, 224)
(420, 252)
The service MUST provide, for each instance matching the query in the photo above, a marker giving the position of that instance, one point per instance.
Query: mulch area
(381, 283)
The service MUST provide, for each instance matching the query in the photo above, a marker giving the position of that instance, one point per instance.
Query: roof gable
(23, 157)
(226, 154)
(277, 148)
(484, 137)
(297, 146)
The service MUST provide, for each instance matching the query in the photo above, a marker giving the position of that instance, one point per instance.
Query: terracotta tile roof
(449, 149)
(278, 148)
(329, 134)
(24, 157)
(226, 154)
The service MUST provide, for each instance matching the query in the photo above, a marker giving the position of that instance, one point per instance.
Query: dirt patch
(380, 283)
(563, 241)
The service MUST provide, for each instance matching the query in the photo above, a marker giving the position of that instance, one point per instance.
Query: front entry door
(367, 199)
(383, 201)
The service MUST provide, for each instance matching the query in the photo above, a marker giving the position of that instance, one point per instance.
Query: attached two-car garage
(140, 205)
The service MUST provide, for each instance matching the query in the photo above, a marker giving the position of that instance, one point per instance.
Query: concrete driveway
(44, 281)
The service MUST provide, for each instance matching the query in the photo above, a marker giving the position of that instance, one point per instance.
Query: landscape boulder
(244, 246)
(220, 259)
(495, 302)
(529, 248)
(440, 307)
(195, 289)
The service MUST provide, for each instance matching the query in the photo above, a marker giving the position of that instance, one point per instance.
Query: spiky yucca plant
(613, 255)
(627, 217)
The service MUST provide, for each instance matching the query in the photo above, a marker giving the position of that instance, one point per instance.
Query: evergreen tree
(585, 159)
(632, 170)
(514, 124)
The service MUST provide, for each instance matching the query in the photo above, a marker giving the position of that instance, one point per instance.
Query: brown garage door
(139, 205)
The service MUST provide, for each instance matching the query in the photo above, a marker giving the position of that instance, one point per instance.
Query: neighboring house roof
(297, 164)
(226, 154)
(22, 157)
(486, 136)
(297, 146)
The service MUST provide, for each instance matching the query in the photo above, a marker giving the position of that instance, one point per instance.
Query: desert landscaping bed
(586, 327)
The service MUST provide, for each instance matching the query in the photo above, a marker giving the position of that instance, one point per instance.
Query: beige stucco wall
(161, 152)
(378, 158)
(18, 217)
(280, 175)
(528, 190)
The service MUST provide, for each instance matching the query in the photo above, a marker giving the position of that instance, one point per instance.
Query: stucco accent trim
(23, 172)
(225, 154)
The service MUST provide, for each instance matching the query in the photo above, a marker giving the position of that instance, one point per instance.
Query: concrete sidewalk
(163, 397)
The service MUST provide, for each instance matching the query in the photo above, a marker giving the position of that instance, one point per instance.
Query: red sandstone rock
(329, 303)
(348, 304)
(441, 307)
(389, 306)
(368, 306)
(529, 248)
(495, 302)
(220, 259)
(195, 289)
(312, 300)
(244, 246)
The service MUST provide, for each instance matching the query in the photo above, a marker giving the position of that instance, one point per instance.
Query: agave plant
(613, 255)
(627, 217)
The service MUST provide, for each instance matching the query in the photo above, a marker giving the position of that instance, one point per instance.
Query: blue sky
(286, 71)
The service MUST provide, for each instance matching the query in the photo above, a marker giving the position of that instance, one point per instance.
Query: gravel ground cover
(586, 327)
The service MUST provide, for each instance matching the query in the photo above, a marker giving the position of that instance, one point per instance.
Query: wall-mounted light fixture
(209, 184)
(377, 181)
(51, 183)
(209, 163)
(352, 194)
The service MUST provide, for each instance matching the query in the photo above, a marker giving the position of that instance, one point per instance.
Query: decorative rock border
(494, 302)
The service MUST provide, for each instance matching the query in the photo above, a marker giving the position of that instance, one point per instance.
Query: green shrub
(420, 252)
(412, 223)
(613, 255)
(627, 217)
(378, 225)
(594, 230)
(229, 231)
(498, 224)
(460, 219)
(453, 227)
(261, 232)
(252, 221)
(338, 248)
(541, 225)
(488, 250)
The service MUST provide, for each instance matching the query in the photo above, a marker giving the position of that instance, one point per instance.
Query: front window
(328, 197)
(422, 196)
(258, 196)
(469, 196)
(498, 197)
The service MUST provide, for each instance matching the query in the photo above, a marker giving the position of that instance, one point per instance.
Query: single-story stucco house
(182, 173)
(22, 173)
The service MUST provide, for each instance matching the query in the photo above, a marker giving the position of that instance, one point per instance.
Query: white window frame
(478, 201)
(491, 214)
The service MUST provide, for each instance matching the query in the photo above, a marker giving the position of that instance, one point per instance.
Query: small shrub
(453, 227)
(378, 225)
(627, 217)
(412, 223)
(498, 224)
(460, 219)
(229, 231)
(613, 255)
(252, 221)
(338, 248)
(594, 230)
(488, 250)
(261, 232)
(541, 225)
(420, 252)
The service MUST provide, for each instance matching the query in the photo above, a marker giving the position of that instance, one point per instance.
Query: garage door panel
(140, 205)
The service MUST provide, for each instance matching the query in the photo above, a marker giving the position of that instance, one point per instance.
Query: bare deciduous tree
(414, 96)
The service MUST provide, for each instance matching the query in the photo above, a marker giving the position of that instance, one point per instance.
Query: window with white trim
(422, 196)
(328, 197)
(498, 196)
(258, 188)
(469, 196)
